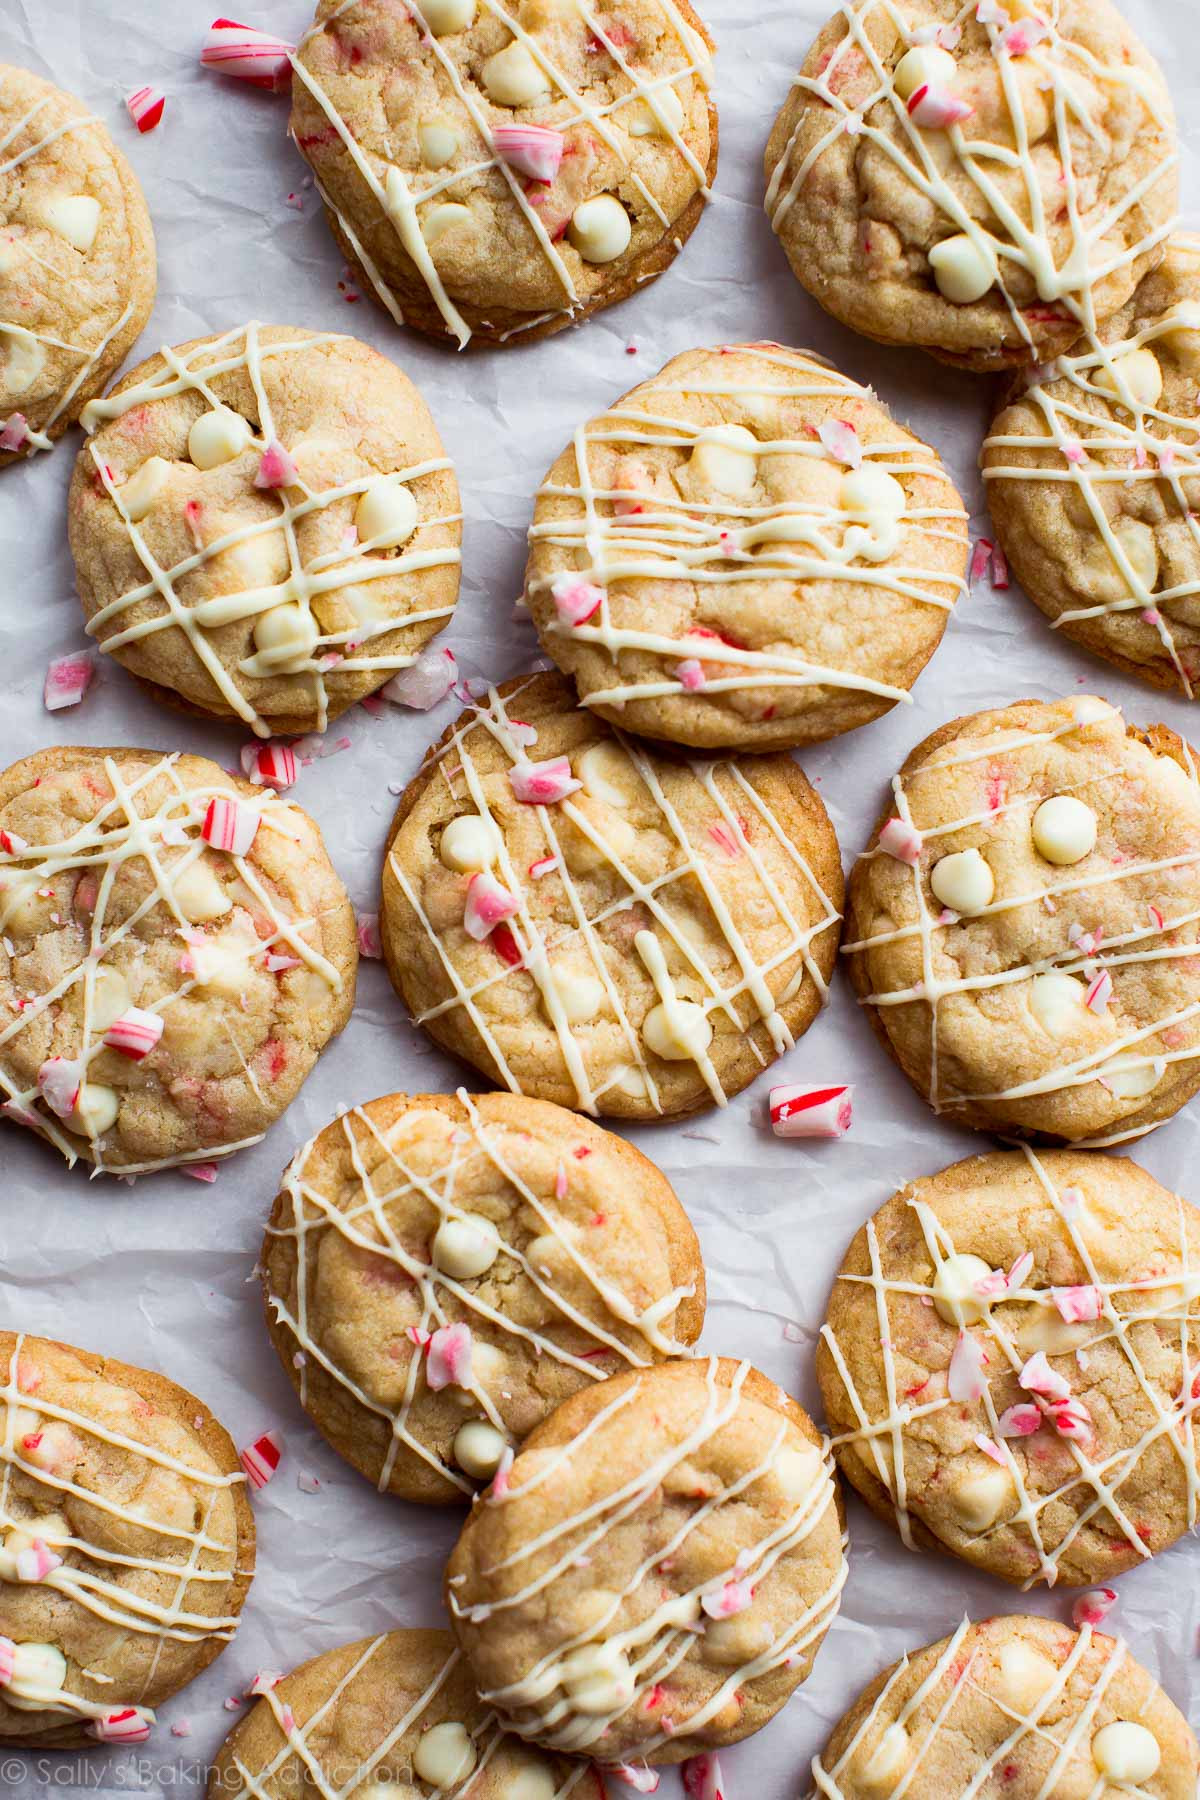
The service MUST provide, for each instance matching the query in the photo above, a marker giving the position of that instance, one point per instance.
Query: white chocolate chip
(1025, 1675)
(964, 882)
(514, 78)
(796, 1470)
(663, 118)
(925, 65)
(465, 1248)
(726, 459)
(889, 1759)
(441, 219)
(478, 1448)
(38, 1670)
(1064, 830)
(22, 908)
(598, 1679)
(584, 856)
(528, 1780)
(469, 843)
(24, 359)
(75, 217)
(731, 1643)
(95, 1110)
(386, 515)
(963, 272)
(954, 1289)
(1138, 373)
(110, 997)
(1044, 1328)
(1132, 1081)
(1126, 1751)
(678, 1032)
(581, 996)
(198, 894)
(438, 142)
(979, 1499)
(600, 229)
(872, 491)
(1056, 1002)
(221, 962)
(285, 638)
(445, 1754)
(217, 437)
(445, 16)
(1180, 324)
(607, 773)
(1138, 545)
(140, 492)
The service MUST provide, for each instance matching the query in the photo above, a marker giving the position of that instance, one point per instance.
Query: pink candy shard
(702, 1778)
(264, 1681)
(488, 905)
(129, 1725)
(545, 865)
(991, 1448)
(261, 1458)
(248, 55)
(990, 12)
(1093, 1607)
(1021, 38)
(135, 1033)
(8, 1663)
(369, 942)
(201, 1171)
(1020, 1271)
(1070, 1418)
(965, 1380)
(59, 1082)
(575, 599)
(145, 107)
(1020, 1421)
(276, 469)
(14, 433)
(230, 825)
(811, 1112)
(733, 1598)
(543, 784)
(638, 1776)
(901, 840)
(38, 1561)
(269, 765)
(182, 1728)
(936, 109)
(533, 150)
(1078, 1304)
(690, 674)
(842, 442)
(1000, 577)
(448, 1359)
(67, 681)
(1099, 993)
(425, 682)
(1037, 1377)
(500, 1483)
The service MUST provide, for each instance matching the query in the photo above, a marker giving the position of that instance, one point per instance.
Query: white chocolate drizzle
(345, 651)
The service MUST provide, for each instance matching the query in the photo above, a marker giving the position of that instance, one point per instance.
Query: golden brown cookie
(1012, 1705)
(1023, 926)
(592, 924)
(175, 952)
(1007, 1364)
(128, 1544)
(745, 552)
(384, 1718)
(265, 525)
(983, 187)
(77, 263)
(655, 1574)
(497, 172)
(439, 1273)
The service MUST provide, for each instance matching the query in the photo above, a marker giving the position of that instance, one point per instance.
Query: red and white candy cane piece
(702, 1778)
(1024, 35)
(1037, 1377)
(965, 1380)
(690, 674)
(38, 1561)
(369, 942)
(247, 54)
(533, 150)
(448, 1358)
(811, 1112)
(1071, 1418)
(277, 468)
(575, 600)
(731, 1598)
(12, 844)
(544, 783)
(129, 1725)
(1099, 993)
(1078, 1305)
(145, 107)
(638, 1776)
(488, 905)
(230, 825)
(135, 1033)
(261, 1458)
(201, 1171)
(1019, 1421)
(8, 1661)
(903, 841)
(1093, 1607)
(59, 1082)
(936, 108)
(67, 681)
(14, 433)
(842, 442)
(425, 682)
(269, 765)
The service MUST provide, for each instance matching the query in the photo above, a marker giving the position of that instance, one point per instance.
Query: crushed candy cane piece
(1019, 1421)
(533, 150)
(901, 840)
(128, 1725)
(448, 1358)
(369, 942)
(991, 1448)
(545, 865)
(269, 765)
(1093, 1607)
(690, 674)
(638, 1776)
(1099, 993)
(230, 825)
(575, 600)
(8, 1661)
(811, 1112)
(425, 682)
(500, 1482)
(1020, 1271)
(936, 108)
(201, 1171)
(965, 1380)
(261, 1458)
(135, 1033)
(67, 681)
(59, 1082)
(14, 433)
(248, 55)
(1037, 1377)
(488, 905)
(12, 843)
(308, 1484)
(37, 1561)
(1078, 1305)
(543, 784)
(264, 1682)
(145, 107)
(182, 1728)
(732, 1598)
(702, 1778)
(1070, 1418)
(276, 469)
(1023, 36)
(841, 442)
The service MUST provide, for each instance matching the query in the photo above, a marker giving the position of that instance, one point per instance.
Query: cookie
(1023, 927)
(1007, 1364)
(439, 1273)
(77, 266)
(984, 187)
(1013, 1704)
(746, 553)
(265, 525)
(175, 952)
(590, 924)
(655, 1574)
(1092, 476)
(497, 172)
(388, 1716)
(128, 1544)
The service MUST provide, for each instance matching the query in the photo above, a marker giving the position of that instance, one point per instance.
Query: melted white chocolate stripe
(401, 204)
(168, 842)
(538, 1703)
(727, 790)
(100, 1579)
(628, 535)
(367, 1224)
(1166, 1301)
(344, 651)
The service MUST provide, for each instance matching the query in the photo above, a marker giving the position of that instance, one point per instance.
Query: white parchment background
(161, 1274)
